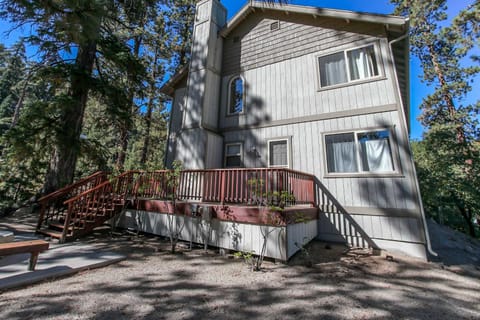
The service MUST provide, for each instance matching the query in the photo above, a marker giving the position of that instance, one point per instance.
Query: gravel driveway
(193, 284)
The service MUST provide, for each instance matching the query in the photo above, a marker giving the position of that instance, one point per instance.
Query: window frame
(229, 93)
(397, 172)
(225, 155)
(289, 152)
(378, 58)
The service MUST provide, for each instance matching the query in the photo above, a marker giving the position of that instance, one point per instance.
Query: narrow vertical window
(236, 96)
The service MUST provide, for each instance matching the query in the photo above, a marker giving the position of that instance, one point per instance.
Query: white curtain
(333, 69)
(362, 63)
(377, 156)
(341, 155)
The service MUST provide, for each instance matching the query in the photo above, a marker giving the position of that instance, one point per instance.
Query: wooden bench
(34, 247)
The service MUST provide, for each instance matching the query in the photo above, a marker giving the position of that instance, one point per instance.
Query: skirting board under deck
(282, 242)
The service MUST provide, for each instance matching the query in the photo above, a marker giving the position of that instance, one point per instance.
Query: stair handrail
(115, 188)
(69, 187)
(112, 181)
(56, 196)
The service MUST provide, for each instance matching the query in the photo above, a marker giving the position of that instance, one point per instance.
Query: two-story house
(316, 90)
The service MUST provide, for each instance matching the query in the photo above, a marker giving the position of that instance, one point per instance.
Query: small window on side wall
(233, 155)
(278, 153)
(360, 152)
(236, 96)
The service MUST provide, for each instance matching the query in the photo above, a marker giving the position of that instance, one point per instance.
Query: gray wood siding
(176, 116)
(211, 100)
(308, 156)
(384, 227)
(283, 99)
(298, 35)
(214, 151)
(177, 110)
(396, 234)
(191, 145)
(290, 89)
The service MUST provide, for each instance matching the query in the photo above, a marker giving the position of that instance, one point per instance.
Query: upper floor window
(348, 66)
(236, 96)
(362, 151)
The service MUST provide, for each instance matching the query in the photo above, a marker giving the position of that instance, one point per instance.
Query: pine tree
(71, 36)
(452, 123)
(12, 88)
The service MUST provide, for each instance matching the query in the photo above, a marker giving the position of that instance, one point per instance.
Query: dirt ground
(193, 284)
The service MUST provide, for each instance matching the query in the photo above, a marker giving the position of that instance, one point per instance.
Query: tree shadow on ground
(156, 285)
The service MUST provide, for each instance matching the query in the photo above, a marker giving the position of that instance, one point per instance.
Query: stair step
(50, 233)
(55, 225)
(100, 209)
(60, 227)
(91, 215)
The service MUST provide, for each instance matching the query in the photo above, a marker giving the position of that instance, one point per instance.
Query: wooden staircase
(77, 209)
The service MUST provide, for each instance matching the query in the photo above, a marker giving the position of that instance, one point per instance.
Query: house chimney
(205, 66)
(198, 137)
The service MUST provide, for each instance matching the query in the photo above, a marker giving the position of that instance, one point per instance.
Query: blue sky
(418, 89)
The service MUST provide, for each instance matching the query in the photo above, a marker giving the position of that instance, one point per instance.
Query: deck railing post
(42, 214)
(222, 187)
(67, 222)
(311, 192)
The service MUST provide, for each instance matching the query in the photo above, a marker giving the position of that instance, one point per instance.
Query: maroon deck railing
(93, 200)
(250, 186)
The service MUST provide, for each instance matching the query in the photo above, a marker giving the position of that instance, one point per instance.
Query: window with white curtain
(233, 155)
(363, 151)
(347, 66)
(278, 153)
(341, 153)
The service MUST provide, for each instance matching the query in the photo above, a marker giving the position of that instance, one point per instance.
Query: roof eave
(317, 12)
(169, 87)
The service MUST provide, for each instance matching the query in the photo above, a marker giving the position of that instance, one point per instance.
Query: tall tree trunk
(467, 216)
(127, 125)
(150, 105)
(64, 158)
(148, 124)
(124, 138)
(446, 96)
(19, 105)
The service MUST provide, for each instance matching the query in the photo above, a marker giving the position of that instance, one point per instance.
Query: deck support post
(33, 261)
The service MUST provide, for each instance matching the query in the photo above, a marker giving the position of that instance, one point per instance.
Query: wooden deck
(231, 212)
(262, 196)
(237, 205)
